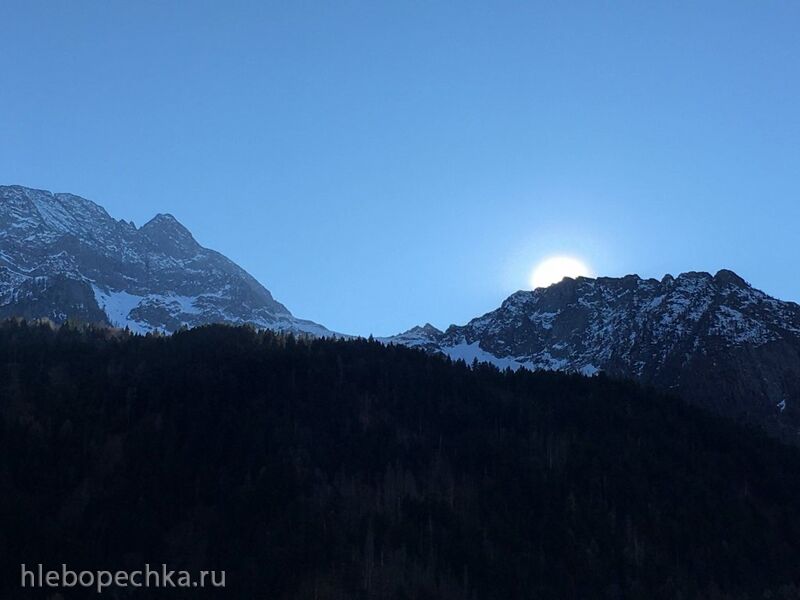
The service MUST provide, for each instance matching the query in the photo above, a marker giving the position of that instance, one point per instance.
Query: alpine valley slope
(62, 256)
(714, 340)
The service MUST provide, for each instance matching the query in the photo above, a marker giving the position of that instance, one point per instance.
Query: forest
(339, 469)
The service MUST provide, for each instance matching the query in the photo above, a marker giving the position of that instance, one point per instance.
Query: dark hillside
(348, 469)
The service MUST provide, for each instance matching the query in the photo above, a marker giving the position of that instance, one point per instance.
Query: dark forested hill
(347, 469)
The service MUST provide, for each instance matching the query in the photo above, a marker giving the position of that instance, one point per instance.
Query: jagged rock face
(713, 339)
(62, 256)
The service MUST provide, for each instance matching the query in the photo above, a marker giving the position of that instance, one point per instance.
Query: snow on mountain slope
(618, 322)
(62, 256)
(714, 339)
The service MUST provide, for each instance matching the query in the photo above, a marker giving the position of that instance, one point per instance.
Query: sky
(378, 165)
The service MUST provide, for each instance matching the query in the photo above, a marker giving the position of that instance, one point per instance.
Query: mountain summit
(62, 256)
(713, 339)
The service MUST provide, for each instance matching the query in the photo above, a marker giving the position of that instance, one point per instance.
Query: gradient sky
(378, 165)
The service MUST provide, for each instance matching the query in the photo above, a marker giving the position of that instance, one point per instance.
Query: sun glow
(556, 268)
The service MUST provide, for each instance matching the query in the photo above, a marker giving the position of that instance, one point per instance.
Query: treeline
(321, 469)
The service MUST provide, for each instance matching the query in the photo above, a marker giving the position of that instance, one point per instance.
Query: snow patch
(471, 352)
(544, 319)
(738, 328)
(118, 307)
(589, 370)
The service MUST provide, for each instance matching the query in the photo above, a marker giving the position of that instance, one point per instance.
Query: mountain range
(713, 339)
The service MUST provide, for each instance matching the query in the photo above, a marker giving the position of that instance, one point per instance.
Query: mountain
(715, 340)
(62, 256)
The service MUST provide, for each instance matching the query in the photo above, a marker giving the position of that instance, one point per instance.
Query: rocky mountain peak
(427, 329)
(168, 234)
(165, 222)
(63, 256)
(726, 277)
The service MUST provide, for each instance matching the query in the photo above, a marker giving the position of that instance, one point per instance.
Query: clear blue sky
(381, 164)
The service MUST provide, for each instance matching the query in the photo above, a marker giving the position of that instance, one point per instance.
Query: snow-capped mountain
(713, 339)
(62, 256)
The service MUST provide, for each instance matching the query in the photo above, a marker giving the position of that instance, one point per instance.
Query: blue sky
(382, 164)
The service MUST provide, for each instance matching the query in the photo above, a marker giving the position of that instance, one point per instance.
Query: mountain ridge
(65, 257)
(714, 339)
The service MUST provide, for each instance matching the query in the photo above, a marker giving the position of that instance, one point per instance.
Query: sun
(554, 269)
